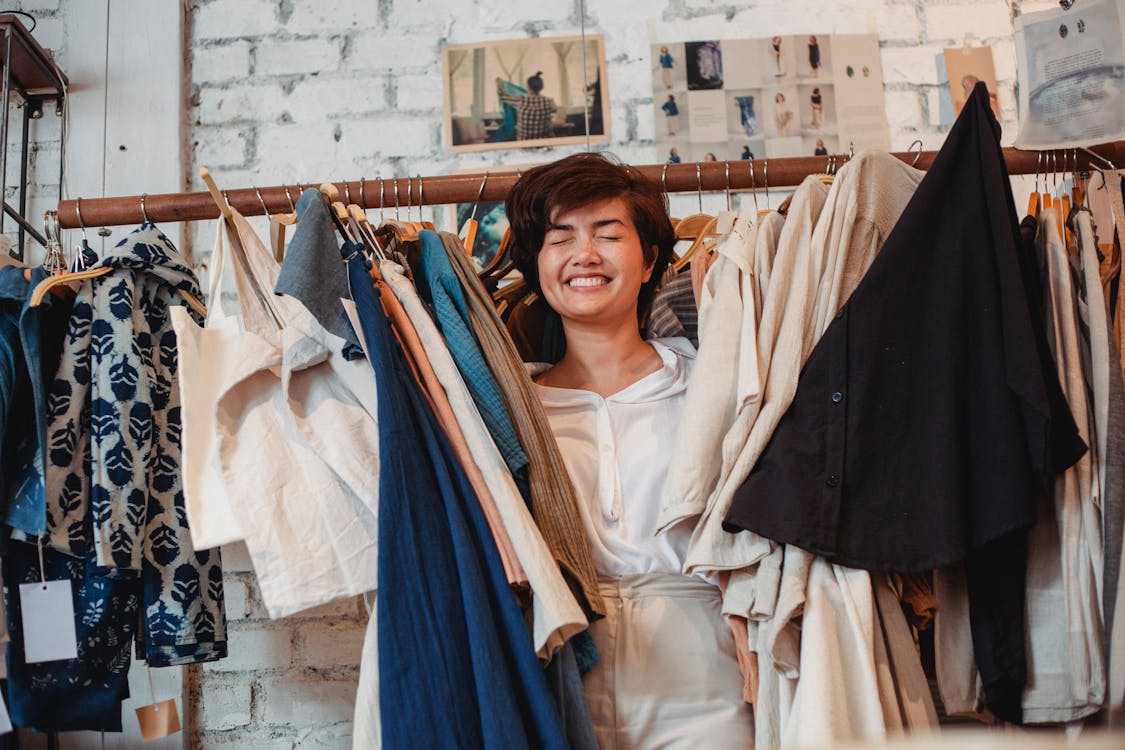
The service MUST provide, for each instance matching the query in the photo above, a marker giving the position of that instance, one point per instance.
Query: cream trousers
(668, 676)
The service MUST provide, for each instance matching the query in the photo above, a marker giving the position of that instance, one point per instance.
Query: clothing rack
(440, 190)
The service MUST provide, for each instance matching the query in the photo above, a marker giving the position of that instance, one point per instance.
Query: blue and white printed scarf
(112, 476)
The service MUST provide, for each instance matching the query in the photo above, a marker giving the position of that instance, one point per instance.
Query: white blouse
(618, 451)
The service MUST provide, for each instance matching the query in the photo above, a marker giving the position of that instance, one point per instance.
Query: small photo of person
(783, 116)
(674, 156)
(817, 108)
(704, 64)
(707, 152)
(778, 57)
(668, 68)
(814, 57)
(746, 154)
(820, 145)
(671, 116)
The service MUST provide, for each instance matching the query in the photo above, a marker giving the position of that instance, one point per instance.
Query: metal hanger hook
(78, 213)
(288, 197)
(396, 200)
(918, 154)
(699, 184)
(144, 213)
(753, 185)
(726, 172)
(480, 192)
(362, 195)
(258, 192)
(766, 180)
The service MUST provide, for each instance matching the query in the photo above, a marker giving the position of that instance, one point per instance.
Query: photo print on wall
(777, 96)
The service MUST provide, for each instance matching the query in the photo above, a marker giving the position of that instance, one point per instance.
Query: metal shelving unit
(28, 71)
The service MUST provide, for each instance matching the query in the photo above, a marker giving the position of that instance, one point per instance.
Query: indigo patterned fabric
(112, 482)
(72, 694)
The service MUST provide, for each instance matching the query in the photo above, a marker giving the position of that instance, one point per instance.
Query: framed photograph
(524, 92)
(966, 67)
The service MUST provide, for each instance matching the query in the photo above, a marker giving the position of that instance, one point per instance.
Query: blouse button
(832, 480)
(837, 397)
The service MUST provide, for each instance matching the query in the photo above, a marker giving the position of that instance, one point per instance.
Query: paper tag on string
(158, 719)
(724, 222)
(47, 614)
(5, 720)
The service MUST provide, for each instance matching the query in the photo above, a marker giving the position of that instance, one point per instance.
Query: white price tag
(47, 610)
(725, 222)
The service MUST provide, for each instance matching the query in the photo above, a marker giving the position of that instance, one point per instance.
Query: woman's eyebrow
(597, 225)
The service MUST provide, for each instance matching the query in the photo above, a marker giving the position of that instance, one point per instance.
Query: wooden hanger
(469, 231)
(56, 280)
(706, 234)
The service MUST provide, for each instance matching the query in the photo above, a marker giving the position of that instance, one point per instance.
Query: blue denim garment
(42, 330)
(73, 694)
(457, 667)
(312, 273)
(438, 285)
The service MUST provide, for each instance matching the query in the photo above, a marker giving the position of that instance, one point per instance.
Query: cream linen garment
(826, 245)
(208, 357)
(723, 376)
(298, 447)
(1066, 674)
(556, 614)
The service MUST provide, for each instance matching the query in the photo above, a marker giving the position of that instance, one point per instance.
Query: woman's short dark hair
(579, 180)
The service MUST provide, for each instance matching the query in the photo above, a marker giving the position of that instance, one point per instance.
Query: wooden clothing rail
(440, 190)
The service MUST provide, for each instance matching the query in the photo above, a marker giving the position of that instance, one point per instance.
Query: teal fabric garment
(438, 286)
(312, 274)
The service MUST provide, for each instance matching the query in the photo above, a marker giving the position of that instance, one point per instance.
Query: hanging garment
(555, 613)
(297, 443)
(209, 358)
(1066, 680)
(435, 394)
(480, 683)
(32, 343)
(112, 479)
(725, 378)
(84, 693)
(890, 373)
(673, 313)
(311, 273)
(554, 505)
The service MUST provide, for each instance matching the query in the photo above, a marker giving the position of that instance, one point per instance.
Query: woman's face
(592, 264)
(779, 98)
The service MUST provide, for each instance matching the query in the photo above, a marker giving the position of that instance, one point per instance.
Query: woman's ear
(652, 264)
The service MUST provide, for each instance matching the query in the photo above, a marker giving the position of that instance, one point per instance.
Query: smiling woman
(593, 237)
